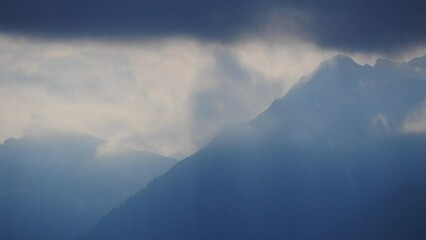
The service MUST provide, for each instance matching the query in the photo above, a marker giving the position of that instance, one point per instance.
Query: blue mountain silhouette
(329, 160)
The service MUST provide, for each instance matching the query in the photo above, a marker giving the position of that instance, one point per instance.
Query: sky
(166, 75)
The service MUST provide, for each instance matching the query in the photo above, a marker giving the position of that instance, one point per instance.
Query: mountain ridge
(56, 185)
(303, 169)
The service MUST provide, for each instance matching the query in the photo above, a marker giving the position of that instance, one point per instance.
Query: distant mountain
(330, 160)
(56, 186)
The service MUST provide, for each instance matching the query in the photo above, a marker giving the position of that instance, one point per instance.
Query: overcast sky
(166, 75)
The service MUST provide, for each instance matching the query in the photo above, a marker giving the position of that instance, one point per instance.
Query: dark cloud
(373, 25)
(376, 25)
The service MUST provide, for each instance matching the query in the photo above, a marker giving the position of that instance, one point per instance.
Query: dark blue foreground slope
(330, 160)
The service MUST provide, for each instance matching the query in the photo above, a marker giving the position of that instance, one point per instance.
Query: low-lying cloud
(168, 97)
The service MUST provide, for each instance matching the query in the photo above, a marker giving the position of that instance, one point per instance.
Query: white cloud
(144, 95)
(416, 121)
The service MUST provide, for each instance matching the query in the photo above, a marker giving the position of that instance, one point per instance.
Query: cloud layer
(168, 97)
(373, 25)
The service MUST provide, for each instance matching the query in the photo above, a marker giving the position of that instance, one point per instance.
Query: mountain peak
(344, 100)
(340, 68)
(338, 60)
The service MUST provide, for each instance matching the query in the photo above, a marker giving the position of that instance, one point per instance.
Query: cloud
(366, 26)
(416, 121)
(168, 97)
(225, 95)
(110, 91)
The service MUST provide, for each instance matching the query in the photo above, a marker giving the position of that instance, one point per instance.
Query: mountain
(329, 160)
(55, 186)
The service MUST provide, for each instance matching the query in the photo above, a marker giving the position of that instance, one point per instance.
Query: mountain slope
(55, 186)
(315, 165)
